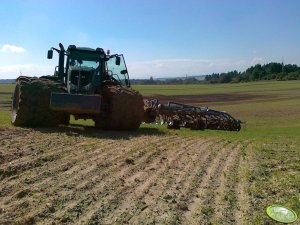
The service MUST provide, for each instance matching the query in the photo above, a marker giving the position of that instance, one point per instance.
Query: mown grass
(272, 127)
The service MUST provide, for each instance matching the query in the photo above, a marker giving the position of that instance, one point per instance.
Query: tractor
(88, 84)
(91, 84)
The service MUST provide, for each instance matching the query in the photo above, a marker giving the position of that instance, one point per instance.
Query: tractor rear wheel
(31, 100)
(125, 109)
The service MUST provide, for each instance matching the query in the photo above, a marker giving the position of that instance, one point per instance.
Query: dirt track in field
(72, 176)
(213, 99)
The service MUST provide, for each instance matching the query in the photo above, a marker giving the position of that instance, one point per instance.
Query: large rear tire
(125, 109)
(31, 100)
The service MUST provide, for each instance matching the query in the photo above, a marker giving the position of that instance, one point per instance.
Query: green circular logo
(281, 214)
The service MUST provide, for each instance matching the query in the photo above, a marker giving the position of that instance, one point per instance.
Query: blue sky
(159, 38)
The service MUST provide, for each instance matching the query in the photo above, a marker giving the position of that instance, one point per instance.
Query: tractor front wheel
(125, 109)
(31, 100)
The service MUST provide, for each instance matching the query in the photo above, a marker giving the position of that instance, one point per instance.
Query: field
(80, 175)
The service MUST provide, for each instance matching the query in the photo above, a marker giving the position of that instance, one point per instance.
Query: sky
(158, 38)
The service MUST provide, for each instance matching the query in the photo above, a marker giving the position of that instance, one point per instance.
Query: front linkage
(177, 115)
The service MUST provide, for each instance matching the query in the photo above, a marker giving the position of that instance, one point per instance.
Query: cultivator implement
(177, 115)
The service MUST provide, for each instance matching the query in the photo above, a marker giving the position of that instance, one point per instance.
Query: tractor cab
(86, 69)
(84, 72)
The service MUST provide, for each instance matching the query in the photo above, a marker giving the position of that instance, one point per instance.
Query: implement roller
(177, 115)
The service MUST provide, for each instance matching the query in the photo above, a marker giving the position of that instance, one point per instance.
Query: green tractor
(88, 84)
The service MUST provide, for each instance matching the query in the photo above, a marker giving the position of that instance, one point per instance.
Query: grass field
(81, 175)
(5, 102)
(254, 87)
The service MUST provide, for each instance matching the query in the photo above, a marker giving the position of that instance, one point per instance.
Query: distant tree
(249, 70)
(151, 80)
(190, 80)
(207, 78)
(258, 73)
(225, 78)
(290, 68)
(293, 76)
(273, 68)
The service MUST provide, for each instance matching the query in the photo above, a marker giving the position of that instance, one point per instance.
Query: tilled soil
(77, 176)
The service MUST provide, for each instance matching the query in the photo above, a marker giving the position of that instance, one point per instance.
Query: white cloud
(11, 48)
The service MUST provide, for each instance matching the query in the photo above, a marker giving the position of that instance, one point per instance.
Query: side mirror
(50, 54)
(118, 60)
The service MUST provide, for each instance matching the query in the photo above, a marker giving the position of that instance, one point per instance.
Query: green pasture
(271, 126)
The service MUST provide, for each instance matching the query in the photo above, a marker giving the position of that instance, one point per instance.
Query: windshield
(83, 63)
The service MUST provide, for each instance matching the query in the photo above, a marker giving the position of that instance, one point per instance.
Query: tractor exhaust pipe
(61, 62)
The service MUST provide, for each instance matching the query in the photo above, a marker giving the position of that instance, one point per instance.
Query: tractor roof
(74, 48)
(86, 53)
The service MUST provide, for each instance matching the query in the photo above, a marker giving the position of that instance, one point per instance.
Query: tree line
(270, 71)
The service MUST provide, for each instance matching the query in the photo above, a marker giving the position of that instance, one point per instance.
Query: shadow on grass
(92, 132)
